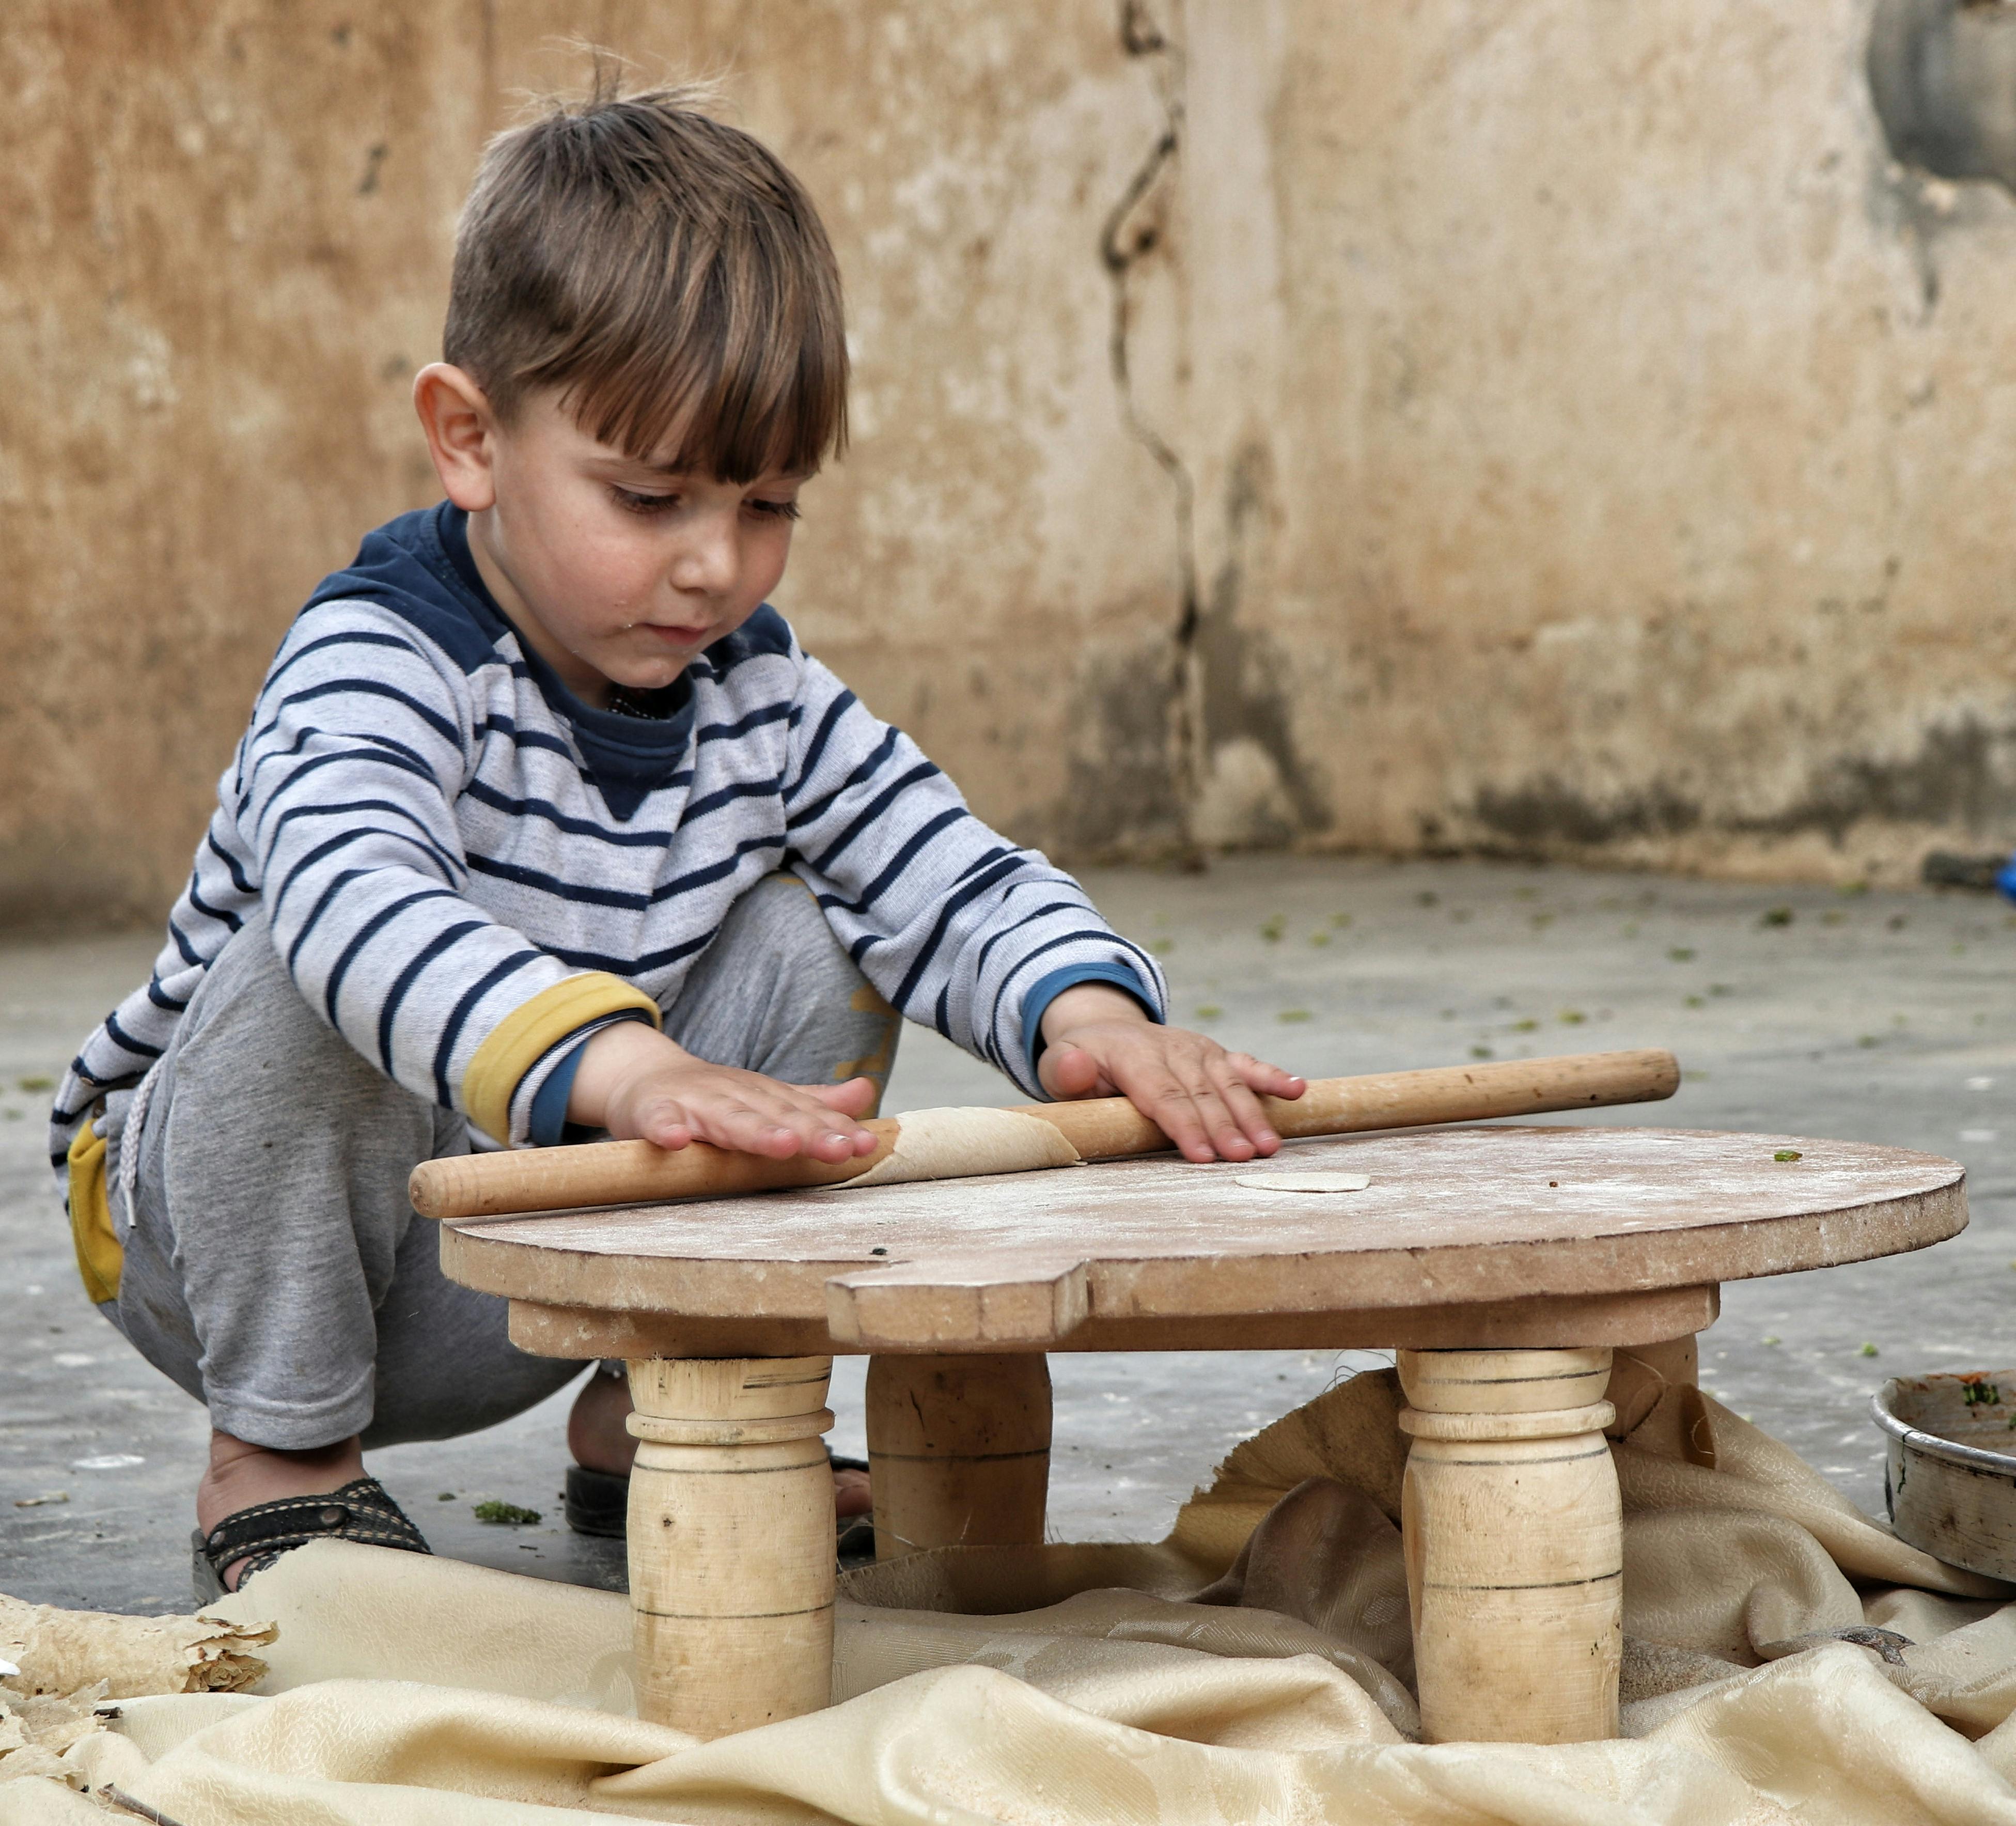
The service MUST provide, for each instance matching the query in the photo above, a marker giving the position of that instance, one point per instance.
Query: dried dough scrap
(962, 1144)
(59, 1652)
(1304, 1181)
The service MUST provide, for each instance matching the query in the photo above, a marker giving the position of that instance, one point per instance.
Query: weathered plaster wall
(1635, 481)
(1538, 424)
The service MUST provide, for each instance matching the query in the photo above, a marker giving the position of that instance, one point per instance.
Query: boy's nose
(710, 557)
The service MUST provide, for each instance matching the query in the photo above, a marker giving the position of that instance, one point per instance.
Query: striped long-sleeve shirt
(464, 868)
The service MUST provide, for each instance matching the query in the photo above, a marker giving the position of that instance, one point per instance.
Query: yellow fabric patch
(100, 1260)
(531, 1031)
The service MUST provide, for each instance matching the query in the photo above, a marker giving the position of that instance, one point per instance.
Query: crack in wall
(1129, 235)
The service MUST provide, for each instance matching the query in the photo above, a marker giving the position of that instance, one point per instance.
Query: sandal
(361, 1511)
(598, 1502)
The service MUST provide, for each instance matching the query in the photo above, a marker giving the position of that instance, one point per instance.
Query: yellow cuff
(99, 1259)
(530, 1031)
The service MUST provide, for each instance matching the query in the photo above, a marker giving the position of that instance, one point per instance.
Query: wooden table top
(1491, 1235)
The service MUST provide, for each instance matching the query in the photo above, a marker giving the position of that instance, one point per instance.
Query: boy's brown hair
(666, 273)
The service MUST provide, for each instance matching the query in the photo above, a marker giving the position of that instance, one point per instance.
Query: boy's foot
(599, 1442)
(243, 1477)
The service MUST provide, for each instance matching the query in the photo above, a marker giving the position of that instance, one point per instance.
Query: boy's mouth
(675, 636)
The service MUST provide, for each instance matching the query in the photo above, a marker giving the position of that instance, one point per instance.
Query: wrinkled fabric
(1254, 1666)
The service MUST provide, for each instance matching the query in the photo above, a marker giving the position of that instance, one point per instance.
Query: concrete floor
(1876, 1017)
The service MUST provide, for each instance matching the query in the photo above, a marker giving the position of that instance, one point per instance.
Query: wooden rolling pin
(629, 1172)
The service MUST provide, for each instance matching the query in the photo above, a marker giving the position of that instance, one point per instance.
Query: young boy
(544, 824)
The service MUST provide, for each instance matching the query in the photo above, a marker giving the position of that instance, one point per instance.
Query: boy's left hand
(1098, 1041)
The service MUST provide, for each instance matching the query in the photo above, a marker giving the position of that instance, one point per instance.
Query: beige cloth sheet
(1252, 1667)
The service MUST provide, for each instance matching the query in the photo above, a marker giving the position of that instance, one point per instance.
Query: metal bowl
(1950, 1475)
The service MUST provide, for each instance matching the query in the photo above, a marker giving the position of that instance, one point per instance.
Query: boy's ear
(461, 430)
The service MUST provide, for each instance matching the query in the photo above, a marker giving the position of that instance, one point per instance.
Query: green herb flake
(1787, 1154)
(37, 1081)
(1777, 916)
(1292, 1015)
(1682, 954)
(505, 1514)
(1869, 1350)
(1271, 930)
(1208, 1011)
(1480, 1052)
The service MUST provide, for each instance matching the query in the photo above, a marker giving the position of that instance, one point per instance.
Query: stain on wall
(1549, 427)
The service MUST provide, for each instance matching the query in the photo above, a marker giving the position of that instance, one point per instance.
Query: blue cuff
(1048, 988)
(549, 1125)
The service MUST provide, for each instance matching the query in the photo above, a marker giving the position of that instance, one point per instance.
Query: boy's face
(616, 571)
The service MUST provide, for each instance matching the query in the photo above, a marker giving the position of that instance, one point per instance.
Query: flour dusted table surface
(1507, 1265)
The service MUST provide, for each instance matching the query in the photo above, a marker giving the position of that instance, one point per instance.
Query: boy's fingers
(1243, 1107)
(1068, 1072)
(856, 1097)
(1180, 1114)
(1227, 1136)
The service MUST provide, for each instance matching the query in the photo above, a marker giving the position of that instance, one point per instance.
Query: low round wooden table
(1505, 1263)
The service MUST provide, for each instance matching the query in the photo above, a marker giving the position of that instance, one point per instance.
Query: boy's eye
(775, 510)
(636, 503)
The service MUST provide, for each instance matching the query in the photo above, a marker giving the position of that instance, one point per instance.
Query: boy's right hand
(642, 1086)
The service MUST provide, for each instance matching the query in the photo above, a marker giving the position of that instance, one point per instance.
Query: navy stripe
(223, 915)
(823, 734)
(630, 902)
(363, 936)
(347, 637)
(870, 813)
(161, 998)
(976, 883)
(904, 857)
(805, 815)
(548, 812)
(191, 956)
(735, 731)
(632, 967)
(120, 1037)
(1000, 932)
(366, 757)
(341, 841)
(404, 981)
(444, 1091)
(316, 912)
(449, 731)
(1097, 935)
(239, 880)
(728, 795)
(450, 864)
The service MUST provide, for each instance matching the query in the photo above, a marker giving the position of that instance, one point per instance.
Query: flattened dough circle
(1304, 1181)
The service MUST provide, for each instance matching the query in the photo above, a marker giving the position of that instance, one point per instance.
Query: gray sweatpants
(273, 1267)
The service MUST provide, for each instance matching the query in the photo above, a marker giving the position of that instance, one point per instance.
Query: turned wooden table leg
(1655, 1388)
(959, 1450)
(1514, 1536)
(731, 1540)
